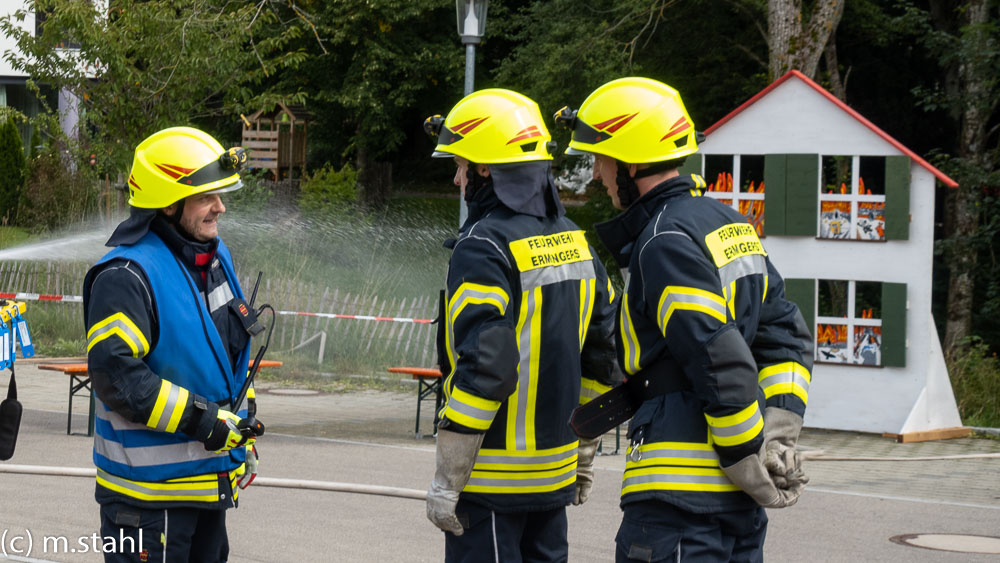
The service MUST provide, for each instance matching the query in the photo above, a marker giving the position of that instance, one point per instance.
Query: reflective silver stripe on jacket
(736, 429)
(742, 267)
(500, 459)
(219, 297)
(555, 274)
(679, 297)
(117, 421)
(785, 377)
(676, 455)
(529, 310)
(145, 456)
(675, 478)
(476, 481)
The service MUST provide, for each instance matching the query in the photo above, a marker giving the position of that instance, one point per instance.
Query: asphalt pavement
(858, 506)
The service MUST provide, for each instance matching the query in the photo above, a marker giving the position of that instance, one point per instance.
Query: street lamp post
(471, 26)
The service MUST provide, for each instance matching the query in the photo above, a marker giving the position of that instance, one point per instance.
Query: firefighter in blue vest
(527, 335)
(167, 354)
(719, 358)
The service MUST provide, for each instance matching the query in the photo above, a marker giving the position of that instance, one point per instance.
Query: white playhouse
(846, 214)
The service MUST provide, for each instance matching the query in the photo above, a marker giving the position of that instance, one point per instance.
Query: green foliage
(161, 62)
(57, 193)
(253, 197)
(975, 378)
(13, 236)
(12, 171)
(329, 192)
(597, 209)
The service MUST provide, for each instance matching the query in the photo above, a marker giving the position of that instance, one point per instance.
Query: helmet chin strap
(175, 219)
(628, 190)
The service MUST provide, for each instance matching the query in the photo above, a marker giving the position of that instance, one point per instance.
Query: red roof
(833, 99)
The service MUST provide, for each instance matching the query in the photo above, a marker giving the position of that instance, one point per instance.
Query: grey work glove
(585, 468)
(750, 475)
(456, 454)
(781, 457)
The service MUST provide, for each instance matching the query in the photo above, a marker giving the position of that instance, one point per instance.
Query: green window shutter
(897, 197)
(894, 324)
(774, 194)
(802, 292)
(692, 165)
(802, 194)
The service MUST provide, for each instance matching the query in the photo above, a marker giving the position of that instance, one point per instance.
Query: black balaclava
(628, 190)
(523, 187)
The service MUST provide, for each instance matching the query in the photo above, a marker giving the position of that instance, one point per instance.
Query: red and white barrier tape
(41, 297)
(79, 299)
(358, 317)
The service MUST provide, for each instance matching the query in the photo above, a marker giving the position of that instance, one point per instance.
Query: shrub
(12, 171)
(975, 378)
(57, 193)
(329, 191)
(253, 197)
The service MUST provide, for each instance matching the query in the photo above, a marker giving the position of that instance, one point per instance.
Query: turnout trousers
(516, 537)
(657, 531)
(164, 534)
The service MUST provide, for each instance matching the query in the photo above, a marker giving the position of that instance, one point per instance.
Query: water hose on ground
(332, 486)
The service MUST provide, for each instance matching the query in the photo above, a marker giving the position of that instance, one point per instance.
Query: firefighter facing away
(167, 353)
(526, 336)
(720, 357)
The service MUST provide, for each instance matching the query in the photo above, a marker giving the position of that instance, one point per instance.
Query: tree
(797, 39)
(377, 65)
(12, 170)
(144, 65)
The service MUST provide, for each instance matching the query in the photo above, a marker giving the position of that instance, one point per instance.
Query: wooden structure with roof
(847, 217)
(277, 140)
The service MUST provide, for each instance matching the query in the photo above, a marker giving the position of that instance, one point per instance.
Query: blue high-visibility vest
(188, 352)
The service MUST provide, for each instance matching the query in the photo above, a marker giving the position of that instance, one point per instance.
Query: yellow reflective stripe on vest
(733, 241)
(703, 479)
(469, 410)
(145, 456)
(590, 389)
(676, 297)
(535, 460)
(123, 327)
(673, 453)
(520, 431)
(169, 407)
(199, 488)
(550, 250)
(788, 377)
(736, 428)
(510, 482)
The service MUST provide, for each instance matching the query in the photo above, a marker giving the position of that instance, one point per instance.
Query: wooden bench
(79, 380)
(429, 380)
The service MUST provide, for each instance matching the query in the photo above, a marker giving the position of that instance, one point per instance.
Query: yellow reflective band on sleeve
(469, 410)
(477, 294)
(250, 393)
(675, 297)
(550, 250)
(120, 325)
(699, 182)
(590, 389)
(733, 241)
(784, 378)
(763, 297)
(169, 407)
(611, 292)
(736, 429)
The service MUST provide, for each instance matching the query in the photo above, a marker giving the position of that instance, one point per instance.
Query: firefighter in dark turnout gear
(704, 324)
(527, 336)
(167, 354)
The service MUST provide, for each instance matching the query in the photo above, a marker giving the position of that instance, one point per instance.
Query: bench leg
(69, 415)
(90, 419)
(416, 428)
